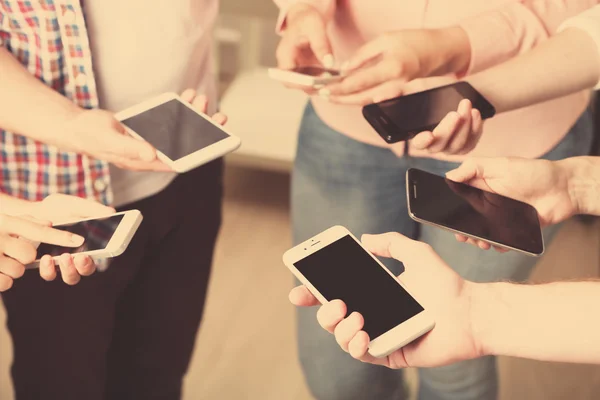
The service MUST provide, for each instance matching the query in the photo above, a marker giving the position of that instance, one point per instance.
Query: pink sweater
(497, 30)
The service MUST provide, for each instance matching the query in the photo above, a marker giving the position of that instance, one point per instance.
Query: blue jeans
(338, 180)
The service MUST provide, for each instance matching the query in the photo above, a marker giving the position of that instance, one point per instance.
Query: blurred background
(246, 346)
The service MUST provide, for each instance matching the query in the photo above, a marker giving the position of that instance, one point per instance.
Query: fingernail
(328, 61)
(325, 93)
(77, 240)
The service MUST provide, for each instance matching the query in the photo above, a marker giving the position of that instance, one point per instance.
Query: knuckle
(5, 283)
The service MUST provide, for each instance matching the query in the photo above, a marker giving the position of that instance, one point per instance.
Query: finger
(47, 268)
(319, 43)
(467, 171)
(11, 267)
(422, 140)
(219, 119)
(88, 208)
(201, 104)
(347, 329)
(444, 132)
(302, 297)
(5, 283)
(483, 245)
(367, 78)
(68, 270)
(373, 49)
(501, 249)
(462, 141)
(155, 165)
(461, 238)
(35, 220)
(18, 249)
(188, 95)
(385, 91)
(359, 346)
(84, 265)
(475, 133)
(288, 51)
(330, 314)
(395, 245)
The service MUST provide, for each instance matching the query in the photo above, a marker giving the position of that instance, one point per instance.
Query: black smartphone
(404, 117)
(473, 212)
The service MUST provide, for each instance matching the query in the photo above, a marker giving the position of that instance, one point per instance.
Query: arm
(551, 322)
(516, 27)
(565, 64)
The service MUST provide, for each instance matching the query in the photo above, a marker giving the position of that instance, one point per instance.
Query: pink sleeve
(327, 7)
(516, 27)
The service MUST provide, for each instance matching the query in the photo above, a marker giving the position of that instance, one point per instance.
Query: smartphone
(334, 265)
(166, 121)
(402, 118)
(472, 212)
(306, 76)
(105, 237)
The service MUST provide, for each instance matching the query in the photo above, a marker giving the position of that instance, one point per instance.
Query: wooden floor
(246, 347)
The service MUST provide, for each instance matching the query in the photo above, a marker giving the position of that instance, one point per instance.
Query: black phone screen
(174, 129)
(344, 270)
(403, 117)
(96, 232)
(475, 212)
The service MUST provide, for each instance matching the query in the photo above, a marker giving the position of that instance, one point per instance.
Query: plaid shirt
(50, 39)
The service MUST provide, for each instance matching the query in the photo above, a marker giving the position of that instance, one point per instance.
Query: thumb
(395, 245)
(466, 172)
(121, 144)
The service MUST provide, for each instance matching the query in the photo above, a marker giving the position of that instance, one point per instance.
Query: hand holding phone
(402, 118)
(306, 76)
(443, 293)
(333, 265)
(183, 136)
(466, 210)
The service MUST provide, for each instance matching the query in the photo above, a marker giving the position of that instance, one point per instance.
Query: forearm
(27, 106)
(565, 64)
(551, 322)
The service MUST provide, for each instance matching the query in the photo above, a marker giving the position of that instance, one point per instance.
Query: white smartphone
(159, 120)
(306, 76)
(105, 237)
(334, 265)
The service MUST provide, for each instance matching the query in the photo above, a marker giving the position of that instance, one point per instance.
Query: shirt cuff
(325, 7)
(590, 24)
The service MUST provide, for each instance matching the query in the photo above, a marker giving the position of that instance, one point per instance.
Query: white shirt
(588, 21)
(142, 48)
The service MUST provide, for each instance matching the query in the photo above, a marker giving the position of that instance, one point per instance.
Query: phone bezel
(192, 160)
(118, 242)
(410, 198)
(387, 342)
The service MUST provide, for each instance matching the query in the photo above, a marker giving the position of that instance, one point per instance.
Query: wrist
(482, 302)
(453, 51)
(583, 183)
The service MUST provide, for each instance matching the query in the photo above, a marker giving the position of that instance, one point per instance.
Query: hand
(58, 208)
(200, 103)
(440, 290)
(16, 250)
(458, 133)
(98, 134)
(541, 183)
(380, 69)
(304, 41)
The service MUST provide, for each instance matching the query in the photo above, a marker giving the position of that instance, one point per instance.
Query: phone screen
(175, 130)
(96, 232)
(419, 110)
(466, 209)
(316, 71)
(344, 270)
